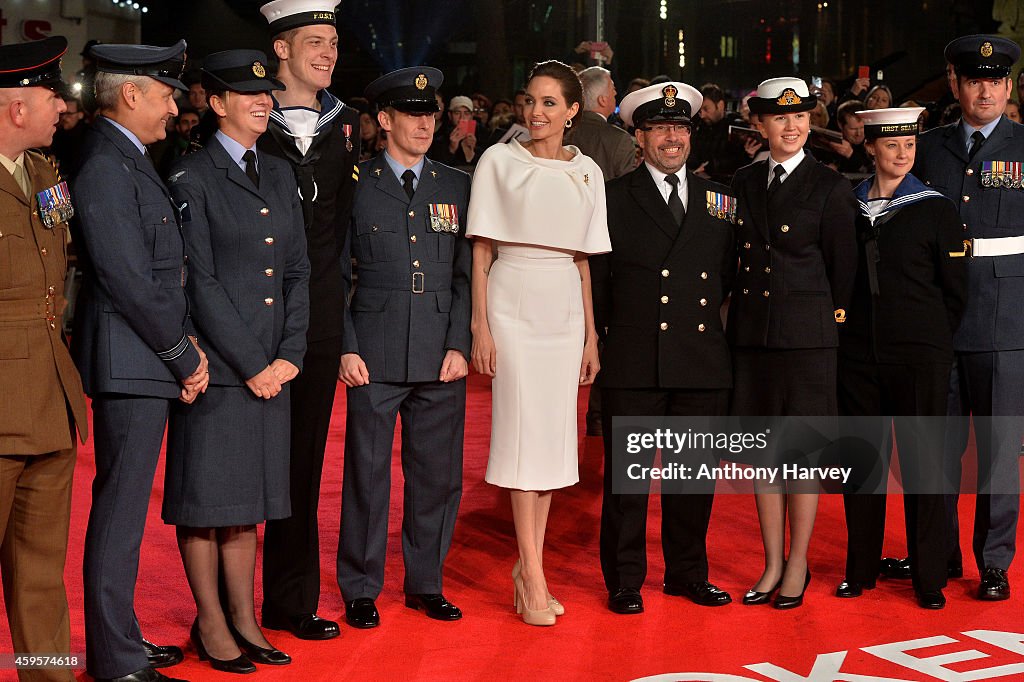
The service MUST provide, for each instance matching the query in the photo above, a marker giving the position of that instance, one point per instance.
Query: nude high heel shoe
(553, 604)
(539, 617)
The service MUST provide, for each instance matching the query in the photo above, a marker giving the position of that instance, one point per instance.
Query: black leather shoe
(702, 593)
(849, 589)
(303, 626)
(162, 656)
(144, 675)
(784, 602)
(240, 665)
(995, 586)
(435, 606)
(895, 569)
(362, 613)
(932, 599)
(258, 654)
(626, 600)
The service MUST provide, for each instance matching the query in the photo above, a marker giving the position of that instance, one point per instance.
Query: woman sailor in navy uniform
(896, 352)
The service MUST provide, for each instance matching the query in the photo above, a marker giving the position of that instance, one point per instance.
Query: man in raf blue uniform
(405, 347)
(977, 162)
(132, 339)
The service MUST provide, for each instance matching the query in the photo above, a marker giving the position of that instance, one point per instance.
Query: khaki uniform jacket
(38, 380)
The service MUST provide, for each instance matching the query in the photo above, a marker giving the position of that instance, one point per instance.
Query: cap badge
(986, 49)
(788, 98)
(258, 70)
(421, 82)
(670, 92)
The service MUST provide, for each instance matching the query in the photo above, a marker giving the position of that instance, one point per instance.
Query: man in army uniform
(406, 342)
(977, 162)
(319, 137)
(41, 398)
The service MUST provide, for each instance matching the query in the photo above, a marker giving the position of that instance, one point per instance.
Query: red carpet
(822, 641)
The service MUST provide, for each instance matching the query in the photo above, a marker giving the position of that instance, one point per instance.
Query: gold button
(767, 270)
(767, 247)
(268, 301)
(746, 269)
(664, 299)
(269, 240)
(739, 221)
(784, 228)
(703, 275)
(965, 228)
(412, 238)
(374, 228)
(746, 245)
(269, 272)
(43, 251)
(264, 211)
(664, 273)
(51, 291)
(415, 263)
(664, 326)
(703, 301)
(53, 325)
(164, 220)
(412, 214)
(746, 291)
(970, 171)
(700, 327)
(966, 198)
(766, 294)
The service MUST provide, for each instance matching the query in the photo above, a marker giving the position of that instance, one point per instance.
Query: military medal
(721, 206)
(55, 205)
(347, 129)
(444, 218)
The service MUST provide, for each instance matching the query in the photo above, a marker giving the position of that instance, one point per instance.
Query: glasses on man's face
(666, 128)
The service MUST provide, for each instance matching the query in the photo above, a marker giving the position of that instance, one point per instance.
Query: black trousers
(684, 517)
(127, 432)
(291, 547)
(897, 392)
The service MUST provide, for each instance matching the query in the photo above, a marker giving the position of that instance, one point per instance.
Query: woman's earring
(568, 123)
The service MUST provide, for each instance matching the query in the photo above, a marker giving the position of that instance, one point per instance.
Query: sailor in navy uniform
(407, 339)
(977, 162)
(131, 339)
(319, 137)
(657, 301)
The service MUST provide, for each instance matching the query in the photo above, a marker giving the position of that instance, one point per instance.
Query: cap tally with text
(238, 71)
(899, 122)
(165, 64)
(284, 15)
(410, 90)
(982, 56)
(31, 64)
(782, 96)
(671, 101)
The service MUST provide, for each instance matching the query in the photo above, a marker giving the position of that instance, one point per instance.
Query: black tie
(407, 177)
(250, 166)
(675, 204)
(978, 140)
(776, 182)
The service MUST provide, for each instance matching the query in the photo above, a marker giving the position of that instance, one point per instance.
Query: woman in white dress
(537, 211)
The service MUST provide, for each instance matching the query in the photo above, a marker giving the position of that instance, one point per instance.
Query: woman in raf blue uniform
(797, 262)
(227, 455)
(895, 355)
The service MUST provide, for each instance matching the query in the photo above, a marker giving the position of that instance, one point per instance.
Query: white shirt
(789, 165)
(666, 189)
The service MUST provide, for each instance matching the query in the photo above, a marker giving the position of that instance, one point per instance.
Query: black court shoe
(752, 598)
(258, 654)
(784, 602)
(241, 665)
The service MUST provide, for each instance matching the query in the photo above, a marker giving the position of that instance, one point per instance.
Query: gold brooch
(586, 178)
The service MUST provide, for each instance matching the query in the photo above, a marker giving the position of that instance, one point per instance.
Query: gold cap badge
(986, 49)
(421, 82)
(788, 98)
(670, 92)
(258, 70)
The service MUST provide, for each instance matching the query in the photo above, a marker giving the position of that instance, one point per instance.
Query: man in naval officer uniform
(406, 343)
(658, 295)
(977, 162)
(41, 399)
(319, 137)
(132, 338)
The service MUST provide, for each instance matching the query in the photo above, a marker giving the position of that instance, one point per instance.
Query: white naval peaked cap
(284, 15)
(671, 101)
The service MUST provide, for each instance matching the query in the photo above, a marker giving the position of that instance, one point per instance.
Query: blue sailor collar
(910, 191)
(330, 108)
